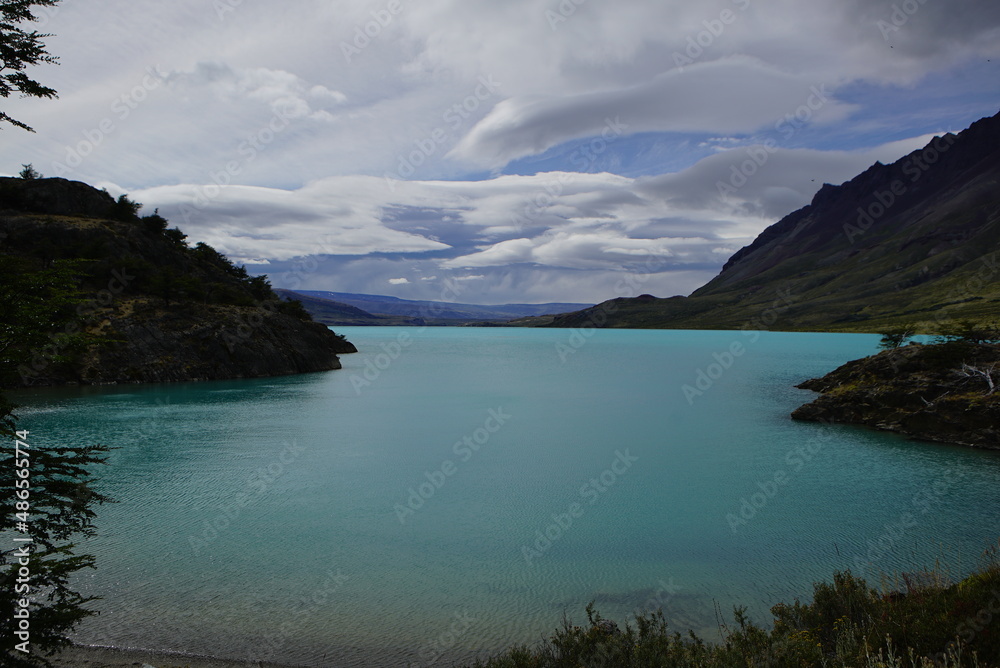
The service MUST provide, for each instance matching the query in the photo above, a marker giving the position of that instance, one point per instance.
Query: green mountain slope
(917, 242)
(153, 309)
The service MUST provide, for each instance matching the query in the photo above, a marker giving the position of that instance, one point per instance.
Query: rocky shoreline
(945, 393)
(149, 307)
(86, 656)
(144, 341)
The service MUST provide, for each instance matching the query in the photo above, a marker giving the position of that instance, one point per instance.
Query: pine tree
(47, 495)
(20, 49)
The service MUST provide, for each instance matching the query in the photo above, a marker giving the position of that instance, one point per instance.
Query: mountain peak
(915, 241)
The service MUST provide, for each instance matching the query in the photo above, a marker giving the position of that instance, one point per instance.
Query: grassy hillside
(148, 307)
(917, 241)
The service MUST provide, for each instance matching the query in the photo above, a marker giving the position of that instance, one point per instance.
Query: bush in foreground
(926, 622)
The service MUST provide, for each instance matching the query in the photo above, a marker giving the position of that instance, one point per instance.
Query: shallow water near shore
(456, 490)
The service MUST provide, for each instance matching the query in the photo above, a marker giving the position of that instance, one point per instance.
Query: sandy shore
(80, 656)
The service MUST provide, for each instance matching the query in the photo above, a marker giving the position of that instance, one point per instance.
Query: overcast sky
(495, 150)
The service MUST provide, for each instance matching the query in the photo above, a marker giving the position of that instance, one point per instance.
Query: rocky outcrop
(56, 197)
(143, 341)
(148, 307)
(941, 393)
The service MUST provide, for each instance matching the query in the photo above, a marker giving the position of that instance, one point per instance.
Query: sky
(489, 151)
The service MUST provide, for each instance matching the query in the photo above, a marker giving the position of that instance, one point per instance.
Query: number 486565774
(22, 463)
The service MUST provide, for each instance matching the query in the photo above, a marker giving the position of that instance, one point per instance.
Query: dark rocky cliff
(154, 309)
(942, 393)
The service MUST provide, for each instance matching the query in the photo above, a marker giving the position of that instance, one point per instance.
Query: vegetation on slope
(154, 308)
(943, 392)
(923, 621)
(917, 242)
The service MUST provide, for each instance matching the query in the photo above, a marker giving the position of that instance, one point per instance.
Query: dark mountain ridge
(150, 308)
(440, 312)
(916, 241)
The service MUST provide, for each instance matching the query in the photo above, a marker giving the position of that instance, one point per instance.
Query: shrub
(260, 287)
(29, 173)
(896, 337)
(294, 308)
(124, 209)
(969, 331)
(155, 223)
(927, 622)
(175, 235)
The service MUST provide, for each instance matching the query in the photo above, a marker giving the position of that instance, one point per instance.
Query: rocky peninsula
(946, 393)
(123, 298)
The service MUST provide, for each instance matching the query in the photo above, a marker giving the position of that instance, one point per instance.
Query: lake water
(457, 490)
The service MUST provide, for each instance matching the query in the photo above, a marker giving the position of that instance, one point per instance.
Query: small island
(943, 392)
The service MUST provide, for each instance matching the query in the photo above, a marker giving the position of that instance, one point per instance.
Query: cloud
(284, 93)
(594, 145)
(671, 227)
(767, 182)
(735, 95)
(341, 216)
(229, 74)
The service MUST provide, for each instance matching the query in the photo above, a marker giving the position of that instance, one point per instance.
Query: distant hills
(346, 308)
(330, 312)
(914, 242)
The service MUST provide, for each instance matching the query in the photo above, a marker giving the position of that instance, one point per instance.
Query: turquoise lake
(453, 491)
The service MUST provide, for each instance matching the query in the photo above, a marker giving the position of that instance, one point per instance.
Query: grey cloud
(766, 182)
(736, 95)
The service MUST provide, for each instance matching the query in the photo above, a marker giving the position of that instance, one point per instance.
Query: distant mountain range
(346, 308)
(917, 241)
